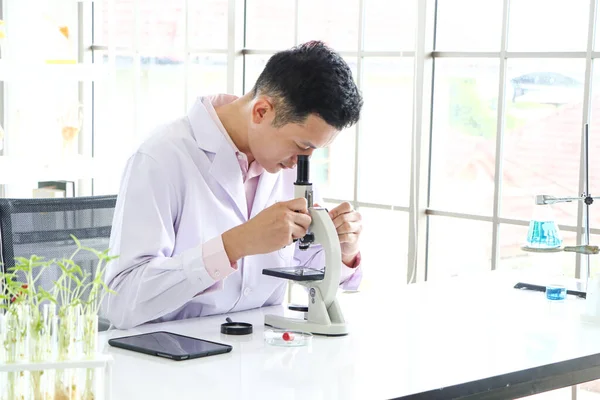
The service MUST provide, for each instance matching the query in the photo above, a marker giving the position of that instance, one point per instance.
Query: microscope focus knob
(306, 241)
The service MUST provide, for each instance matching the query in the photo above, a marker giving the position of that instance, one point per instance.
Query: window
(532, 25)
(386, 129)
(161, 57)
(531, 100)
(44, 116)
(463, 144)
(352, 168)
(457, 30)
(165, 56)
(335, 22)
(511, 94)
(542, 135)
(156, 58)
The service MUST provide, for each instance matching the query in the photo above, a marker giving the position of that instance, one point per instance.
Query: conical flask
(543, 231)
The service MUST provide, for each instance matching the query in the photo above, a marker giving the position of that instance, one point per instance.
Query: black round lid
(236, 328)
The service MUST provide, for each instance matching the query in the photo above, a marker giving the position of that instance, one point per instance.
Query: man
(207, 202)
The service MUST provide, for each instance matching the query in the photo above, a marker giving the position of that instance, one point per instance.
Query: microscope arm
(326, 235)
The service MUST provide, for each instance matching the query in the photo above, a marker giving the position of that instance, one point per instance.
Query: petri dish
(287, 338)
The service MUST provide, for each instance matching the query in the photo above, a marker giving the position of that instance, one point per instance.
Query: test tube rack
(100, 360)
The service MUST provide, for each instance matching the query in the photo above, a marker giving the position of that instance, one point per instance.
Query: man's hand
(271, 229)
(348, 224)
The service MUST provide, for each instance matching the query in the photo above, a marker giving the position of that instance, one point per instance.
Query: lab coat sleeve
(148, 279)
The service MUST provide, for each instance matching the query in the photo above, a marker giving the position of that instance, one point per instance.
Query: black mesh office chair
(43, 227)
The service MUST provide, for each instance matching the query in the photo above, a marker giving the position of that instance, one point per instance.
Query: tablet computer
(170, 345)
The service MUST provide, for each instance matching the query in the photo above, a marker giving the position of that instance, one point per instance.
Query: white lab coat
(182, 188)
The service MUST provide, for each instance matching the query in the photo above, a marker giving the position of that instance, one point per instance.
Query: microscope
(323, 315)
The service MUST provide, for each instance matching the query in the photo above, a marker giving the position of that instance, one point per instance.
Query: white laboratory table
(471, 337)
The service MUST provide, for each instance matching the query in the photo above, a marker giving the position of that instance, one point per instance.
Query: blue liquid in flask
(543, 235)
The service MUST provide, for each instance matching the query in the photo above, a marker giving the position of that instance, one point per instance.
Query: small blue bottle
(556, 292)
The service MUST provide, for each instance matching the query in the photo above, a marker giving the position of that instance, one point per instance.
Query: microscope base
(294, 324)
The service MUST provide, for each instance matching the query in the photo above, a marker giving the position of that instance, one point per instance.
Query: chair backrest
(43, 227)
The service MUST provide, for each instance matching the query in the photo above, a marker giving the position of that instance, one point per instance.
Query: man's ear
(262, 110)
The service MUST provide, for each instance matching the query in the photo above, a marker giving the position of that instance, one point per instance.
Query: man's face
(276, 148)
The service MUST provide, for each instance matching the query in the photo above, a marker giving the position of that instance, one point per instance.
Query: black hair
(310, 79)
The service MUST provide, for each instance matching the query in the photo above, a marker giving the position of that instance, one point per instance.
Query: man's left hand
(348, 224)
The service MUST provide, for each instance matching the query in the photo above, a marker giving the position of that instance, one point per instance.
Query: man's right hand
(270, 230)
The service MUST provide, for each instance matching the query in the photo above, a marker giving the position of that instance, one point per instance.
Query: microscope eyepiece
(302, 171)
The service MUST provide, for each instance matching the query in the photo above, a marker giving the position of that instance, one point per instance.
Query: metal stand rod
(586, 188)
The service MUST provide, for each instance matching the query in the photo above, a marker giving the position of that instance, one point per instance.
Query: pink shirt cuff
(355, 262)
(351, 276)
(215, 259)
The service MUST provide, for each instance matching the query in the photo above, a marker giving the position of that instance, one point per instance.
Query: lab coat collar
(207, 134)
(225, 167)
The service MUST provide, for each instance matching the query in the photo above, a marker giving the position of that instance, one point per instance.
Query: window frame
(424, 57)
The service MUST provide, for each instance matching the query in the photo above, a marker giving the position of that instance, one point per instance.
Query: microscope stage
(296, 273)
